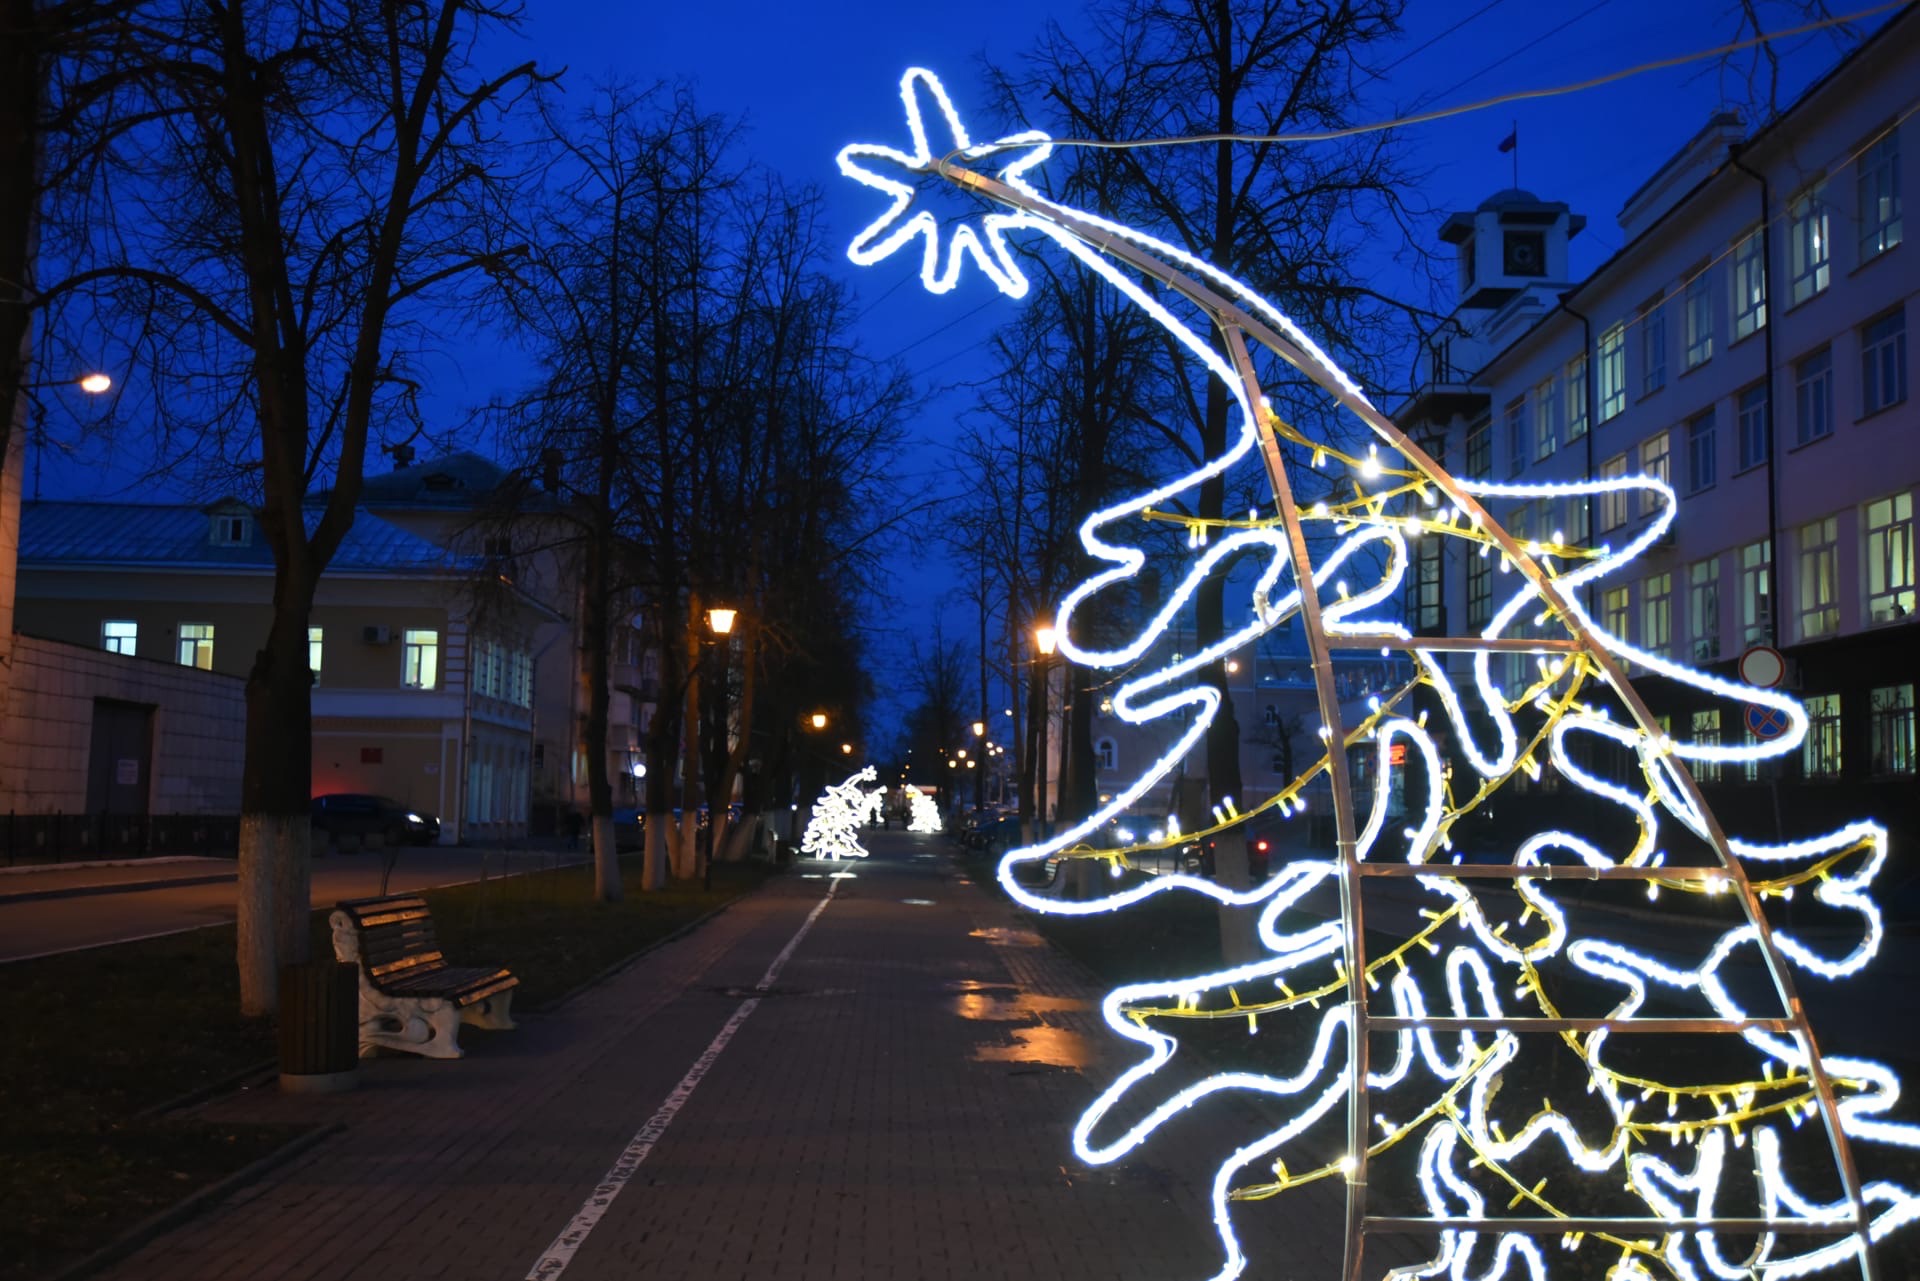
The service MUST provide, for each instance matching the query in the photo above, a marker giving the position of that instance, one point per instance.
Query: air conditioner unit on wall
(376, 635)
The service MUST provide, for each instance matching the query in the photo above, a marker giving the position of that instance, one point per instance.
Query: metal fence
(59, 838)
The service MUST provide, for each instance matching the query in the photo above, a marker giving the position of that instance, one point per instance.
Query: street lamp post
(979, 775)
(720, 623)
(1044, 639)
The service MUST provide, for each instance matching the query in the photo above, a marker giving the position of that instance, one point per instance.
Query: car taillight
(1261, 846)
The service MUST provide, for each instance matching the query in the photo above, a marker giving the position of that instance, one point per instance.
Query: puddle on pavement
(1001, 1003)
(917, 902)
(1045, 1046)
(1002, 936)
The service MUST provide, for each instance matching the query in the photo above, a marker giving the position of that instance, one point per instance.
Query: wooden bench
(410, 998)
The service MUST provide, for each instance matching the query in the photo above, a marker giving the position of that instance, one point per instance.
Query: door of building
(120, 760)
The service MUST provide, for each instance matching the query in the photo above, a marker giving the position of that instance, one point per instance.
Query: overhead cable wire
(1538, 40)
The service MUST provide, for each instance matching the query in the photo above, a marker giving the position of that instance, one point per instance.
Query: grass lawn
(96, 1039)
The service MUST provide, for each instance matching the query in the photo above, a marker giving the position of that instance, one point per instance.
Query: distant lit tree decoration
(1691, 1162)
(833, 830)
(922, 814)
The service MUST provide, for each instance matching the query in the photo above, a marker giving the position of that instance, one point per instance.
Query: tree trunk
(275, 898)
(20, 81)
(595, 638)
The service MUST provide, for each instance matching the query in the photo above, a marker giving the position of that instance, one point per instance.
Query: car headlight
(415, 818)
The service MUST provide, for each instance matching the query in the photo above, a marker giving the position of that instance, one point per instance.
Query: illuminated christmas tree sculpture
(1442, 1061)
(922, 814)
(833, 829)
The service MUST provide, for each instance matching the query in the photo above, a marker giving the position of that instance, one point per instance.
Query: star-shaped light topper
(894, 229)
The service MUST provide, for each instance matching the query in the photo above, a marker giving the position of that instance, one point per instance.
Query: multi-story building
(1748, 345)
(423, 676)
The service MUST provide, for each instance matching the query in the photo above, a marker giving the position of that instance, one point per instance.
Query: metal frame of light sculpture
(1685, 1222)
(833, 828)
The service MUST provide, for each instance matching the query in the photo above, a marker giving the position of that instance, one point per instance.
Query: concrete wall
(198, 725)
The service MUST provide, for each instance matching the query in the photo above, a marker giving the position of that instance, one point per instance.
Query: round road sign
(1766, 723)
(1762, 667)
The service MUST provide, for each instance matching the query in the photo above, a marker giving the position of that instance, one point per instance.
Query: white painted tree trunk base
(273, 899)
(654, 861)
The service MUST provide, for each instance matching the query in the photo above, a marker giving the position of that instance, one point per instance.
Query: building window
(1891, 711)
(1706, 733)
(1820, 754)
(1889, 559)
(1428, 603)
(1879, 196)
(1813, 397)
(1703, 608)
(1818, 574)
(1749, 287)
(1613, 502)
(1883, 362)
(1756, 592)
(1480, 450)
(1277, 764)
(1809, 249)
(1699, 321)
(1576, 383)
(1656, 614)
(315, 648)
(1546, 419)
(1105, 755)
(420, 659)
(1479, 588)
(1656, 464)
(196, 645)
(120, 636)
(1616, 611)
(1270, 717)
(230, 531)
(1653, 346)
(1516, 436)
(1579, 530)
(1754, 435)
(1613, 371)
(1701, 461)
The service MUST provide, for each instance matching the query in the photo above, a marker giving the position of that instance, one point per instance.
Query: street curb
(225, 1085)
(174, 1216)
(115, 887)
(566, 998)
(28, 869)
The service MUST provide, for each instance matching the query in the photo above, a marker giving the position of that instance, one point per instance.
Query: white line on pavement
(558, 1255)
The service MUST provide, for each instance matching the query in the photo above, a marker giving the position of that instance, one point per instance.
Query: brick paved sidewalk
(898, 1108)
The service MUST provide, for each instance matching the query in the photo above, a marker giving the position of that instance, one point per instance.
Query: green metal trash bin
(319, 1027)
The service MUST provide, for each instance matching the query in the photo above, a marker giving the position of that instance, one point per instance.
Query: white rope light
(833, 831)
(922, 814)
(1464, 998)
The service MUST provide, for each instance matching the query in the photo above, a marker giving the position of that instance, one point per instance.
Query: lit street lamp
(720, 623)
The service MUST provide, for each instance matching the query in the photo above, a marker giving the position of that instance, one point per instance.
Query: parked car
(361, 814)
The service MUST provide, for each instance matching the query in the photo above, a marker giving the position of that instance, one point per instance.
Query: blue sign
(1766, 722)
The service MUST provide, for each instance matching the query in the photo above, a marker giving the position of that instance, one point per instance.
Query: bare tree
(306, 179)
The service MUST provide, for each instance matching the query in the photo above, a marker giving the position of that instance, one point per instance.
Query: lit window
(1813, 396)
(1480, 450)
(1656, 463)
(1701, 462)
(1105, 755)
(120, 636)
(196, 645)
(1883, 362)
(1656, 614)
(1613, 502)
(1878, 189)
(1749, 287)
(1754, 436)
(1616, 611)
(1706, 733)
(1576, 382)
(1653, 346)
(1479, 589)
(1818, 572)
(1890, 559)
(1613, 371)
(1891, 713)
(315, 648)
(1699, 321)
(1809, 247)
(1820, 754)
(1546, 419)
(1756, 592)
(1516, 436)
(1703, 608)
(420, 659)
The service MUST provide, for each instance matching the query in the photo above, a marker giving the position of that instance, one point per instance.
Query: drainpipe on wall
(466, 737)
(1773, 505)
(1593, 414)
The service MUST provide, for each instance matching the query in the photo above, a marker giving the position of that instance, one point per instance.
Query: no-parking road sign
(1766, 722)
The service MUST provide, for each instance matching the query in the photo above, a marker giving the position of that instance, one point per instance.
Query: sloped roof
(452, 480)
(178, 536)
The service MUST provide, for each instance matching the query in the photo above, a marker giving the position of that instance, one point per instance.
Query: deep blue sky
(808, 78)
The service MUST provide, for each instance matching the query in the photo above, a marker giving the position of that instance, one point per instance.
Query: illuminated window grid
(1890, 559)
(1809, 247)
(1820, 752)
(1613, 371)
(1817, 577)
(1890, 732)
(1749, 287)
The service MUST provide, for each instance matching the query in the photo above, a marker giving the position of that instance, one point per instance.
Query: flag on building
(1509, 142)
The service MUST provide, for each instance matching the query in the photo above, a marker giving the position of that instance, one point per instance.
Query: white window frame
(1749, 286)
(1613, 502)
(1813, 396)
(1755, 439)
(1656, 461)
(1890, 730)
(1515, 417)
(1703, 608)
(1546, 418)
(1877, 190)
(1613, 371)
(1698, 315)
(1705, 732)
(1576, 385)
(1756, 592)
(1809, 244)
(316, 650)
(120, 636)
(1703, 460)
(1616, 612)
(1883, 363)
(1820, 757)
(1106, 755)
(1817, 577)
(196, 645)
(1653, 346)
(1656, 613)
(420, 658)
(1890, 570)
